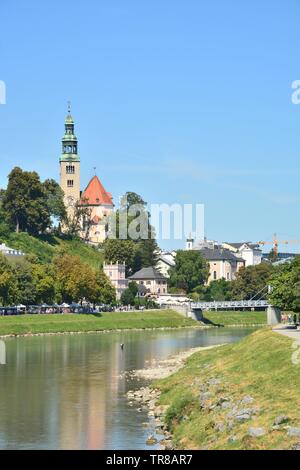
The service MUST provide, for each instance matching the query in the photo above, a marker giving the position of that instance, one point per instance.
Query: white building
(166, 260)
(250, 252)
(11, 252)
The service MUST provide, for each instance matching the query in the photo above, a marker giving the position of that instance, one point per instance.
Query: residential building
(152, 279)
(166, 260)
(116, 274)
(223, 264)
(250, 252)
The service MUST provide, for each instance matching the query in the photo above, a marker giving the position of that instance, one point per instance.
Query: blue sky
(179, 101)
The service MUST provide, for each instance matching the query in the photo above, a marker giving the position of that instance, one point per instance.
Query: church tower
(70, 165)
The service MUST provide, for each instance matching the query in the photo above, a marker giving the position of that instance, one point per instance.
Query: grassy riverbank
(220, 394)
(238, 318)
(26, 324)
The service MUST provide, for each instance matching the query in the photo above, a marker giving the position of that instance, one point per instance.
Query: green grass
(24, 324)
(45, 247)
(243, 318)
(260, 365)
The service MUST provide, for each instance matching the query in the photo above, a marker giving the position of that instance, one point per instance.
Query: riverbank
(235, 318)
(237, 396)
(46, 324)
(80, 323)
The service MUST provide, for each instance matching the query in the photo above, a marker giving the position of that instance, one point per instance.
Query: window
(70, 169)
(70, 183)
(215, 275)
(228, 277)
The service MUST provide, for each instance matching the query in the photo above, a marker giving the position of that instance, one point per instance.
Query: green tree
(218, 290)
(285, 283)
(190, 270)
(120, 251)
(25, 202)
(55, 199)
(131, 226)
(106, 293)
(129, 294)
(251, 281)
(8, 283)
(44, 283)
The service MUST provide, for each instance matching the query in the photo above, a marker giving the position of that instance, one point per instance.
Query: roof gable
(95, 194)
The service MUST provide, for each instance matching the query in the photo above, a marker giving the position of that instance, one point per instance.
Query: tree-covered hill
(45, 247)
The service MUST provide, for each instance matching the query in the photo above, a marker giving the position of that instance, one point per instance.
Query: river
(69, 392)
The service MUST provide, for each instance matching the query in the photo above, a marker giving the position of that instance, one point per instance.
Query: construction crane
(275, 242)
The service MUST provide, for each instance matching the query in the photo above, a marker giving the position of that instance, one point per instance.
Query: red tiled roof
(95, 193)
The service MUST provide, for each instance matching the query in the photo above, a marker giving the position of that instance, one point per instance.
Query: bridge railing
(235, 304)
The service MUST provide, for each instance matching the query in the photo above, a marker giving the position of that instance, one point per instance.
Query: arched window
(215, 275)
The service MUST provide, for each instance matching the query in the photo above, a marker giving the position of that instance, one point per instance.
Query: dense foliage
(65, 279)
(285, 283)
(190, 271)
(132, 238)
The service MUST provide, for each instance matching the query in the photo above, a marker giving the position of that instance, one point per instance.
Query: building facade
(154, 282)
(70, 167)
(99, 205)
(223, 264)
(96, 203)
(116, 274)
(250, 252)
(166, 261)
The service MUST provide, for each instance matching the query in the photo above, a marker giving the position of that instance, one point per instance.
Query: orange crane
(275, 242)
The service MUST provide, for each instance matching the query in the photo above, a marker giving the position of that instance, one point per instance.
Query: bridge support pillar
(274, 315)
(196, 314)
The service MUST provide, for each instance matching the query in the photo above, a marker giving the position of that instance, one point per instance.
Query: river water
(69, 392)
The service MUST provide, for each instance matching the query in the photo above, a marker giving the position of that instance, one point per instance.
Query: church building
(95, 199)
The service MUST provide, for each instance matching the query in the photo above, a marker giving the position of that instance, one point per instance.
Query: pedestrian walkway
(286, 331)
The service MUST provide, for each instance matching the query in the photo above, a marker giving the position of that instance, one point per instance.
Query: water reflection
(69, 392)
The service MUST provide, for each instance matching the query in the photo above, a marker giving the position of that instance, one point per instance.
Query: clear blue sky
(179, 101)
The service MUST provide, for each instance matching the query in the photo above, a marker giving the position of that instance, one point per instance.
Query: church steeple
(69, 140)
(70, 165)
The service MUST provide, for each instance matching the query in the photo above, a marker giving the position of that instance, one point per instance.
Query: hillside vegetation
(45, 247)
(238, 396)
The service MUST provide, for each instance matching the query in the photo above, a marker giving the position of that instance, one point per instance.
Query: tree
(133, 226)
(218, 290)
(120, 251)
(130, 199)
(77, 281)
(190, 270)
(251, 281)
(43, 280)
(129, 294)
(25, 202)
(8, 283)
(285, 283)
(55, 199)
(106, 293)
(77, 222)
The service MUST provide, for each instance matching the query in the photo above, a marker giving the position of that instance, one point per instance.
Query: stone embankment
(149, 397)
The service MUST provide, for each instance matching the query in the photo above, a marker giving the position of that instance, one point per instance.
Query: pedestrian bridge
(230, 304)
